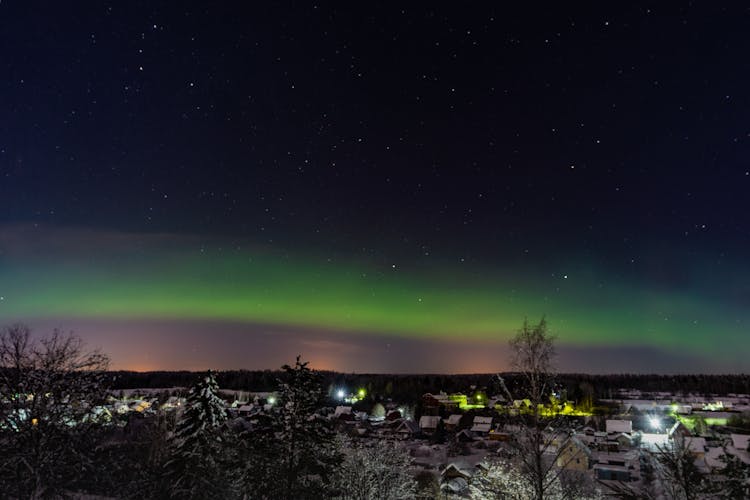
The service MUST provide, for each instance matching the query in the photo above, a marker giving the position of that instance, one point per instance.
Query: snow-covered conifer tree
(195, 470)
(305, 439)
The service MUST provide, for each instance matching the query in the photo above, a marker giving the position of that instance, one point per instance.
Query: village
(452, 437)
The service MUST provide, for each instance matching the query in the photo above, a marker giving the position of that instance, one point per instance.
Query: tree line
(408, 388)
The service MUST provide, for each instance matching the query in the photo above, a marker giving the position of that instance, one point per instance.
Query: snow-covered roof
(695, 444)
(481, 427)
(464, 434)
(342, 410)
(456, 485)
(630, 456)
(580, 446)
(482, 420)
(453, 419)
(741, 441)
(617, 426)
(651, 441)
(428, 422)
(407, 426)
(458, 469)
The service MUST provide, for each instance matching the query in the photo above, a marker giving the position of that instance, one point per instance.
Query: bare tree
(532, 353)
(500, 480)
(678, 474)
(542, 446)
(49, 390)
(374, 470)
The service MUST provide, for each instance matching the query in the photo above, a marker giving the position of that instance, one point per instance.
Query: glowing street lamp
(271, 400)
(655, 422)
(361, 393)
(340, 394)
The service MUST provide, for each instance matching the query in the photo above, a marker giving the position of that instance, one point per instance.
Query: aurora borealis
(169, 279)
(379, 190)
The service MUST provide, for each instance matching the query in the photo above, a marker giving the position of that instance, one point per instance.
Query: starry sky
(381, 188)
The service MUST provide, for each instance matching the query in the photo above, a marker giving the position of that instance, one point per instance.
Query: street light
(655, 422)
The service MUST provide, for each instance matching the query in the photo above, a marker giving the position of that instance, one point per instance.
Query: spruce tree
(305, 439)
(195, 470)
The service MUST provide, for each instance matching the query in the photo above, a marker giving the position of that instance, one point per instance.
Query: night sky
(381, 188)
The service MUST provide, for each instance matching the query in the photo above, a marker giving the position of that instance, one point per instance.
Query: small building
(481, 425)
(342, 410)
(654, 442)
(407, 429)
(623, 440)
(574, 455)
(455, 486)
(696, 446)
(496, 435)
(609, 472)
(451, 423)
(740, 442)
(618, 466)
(457, 469)
(464, 436)
(619, 426)
(429, 423)
(246, 410)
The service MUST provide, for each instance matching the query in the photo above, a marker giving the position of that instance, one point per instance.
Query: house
(740, 442)
(457, 469)
(450, 401)
(574, 455)
(407, 429)
(623, 440)
(499, 436)
(608, 472)
(429, 423)
(464, 436)
(654, 442)
(343, 411)
(618, 466)
(496, 402)
(683, 409)
(455, 486)
(451, 423)
(245, 410)
(481, 425)
(619, 426)
(600, 437)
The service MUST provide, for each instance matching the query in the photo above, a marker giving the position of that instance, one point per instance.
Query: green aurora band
(351, 296)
